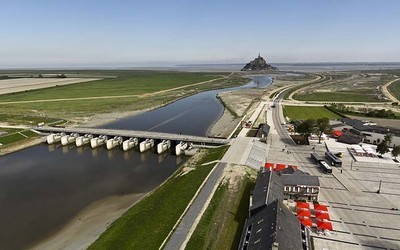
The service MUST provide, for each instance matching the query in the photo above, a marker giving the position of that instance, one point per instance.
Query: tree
(382, 148)
(306, 128)
(396, 151)
(388, 138)
(321, 127)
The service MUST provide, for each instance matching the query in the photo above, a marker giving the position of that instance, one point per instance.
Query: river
(43, 187)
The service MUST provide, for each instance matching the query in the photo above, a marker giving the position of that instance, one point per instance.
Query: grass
(394, 89)
(128, 83)
(308, 112)
(14, 115)
(133, 82)
(17, 136)
(221, 225)
(340, 96)
(147, 224)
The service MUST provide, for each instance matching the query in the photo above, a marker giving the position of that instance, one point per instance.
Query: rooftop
(273, 225)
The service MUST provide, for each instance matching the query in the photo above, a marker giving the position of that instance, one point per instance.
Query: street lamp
(379, 189)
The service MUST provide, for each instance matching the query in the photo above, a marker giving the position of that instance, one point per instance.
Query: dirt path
(386, 92)
(112, 97)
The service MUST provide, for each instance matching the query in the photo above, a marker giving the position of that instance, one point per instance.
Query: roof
(300, 178)
(274, 224)
(269, 187)
(359, 125)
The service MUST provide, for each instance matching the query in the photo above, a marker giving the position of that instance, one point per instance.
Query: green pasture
(308, 112)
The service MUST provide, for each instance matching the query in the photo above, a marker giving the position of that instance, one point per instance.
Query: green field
(340, 96)
(147, 224)
(128, 83)
(221, 225)
(308, 112)
(15, 136)
(394, 89)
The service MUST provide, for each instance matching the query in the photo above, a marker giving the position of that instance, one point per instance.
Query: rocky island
(259, 64)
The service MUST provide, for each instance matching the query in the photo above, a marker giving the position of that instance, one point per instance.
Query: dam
(128, 139)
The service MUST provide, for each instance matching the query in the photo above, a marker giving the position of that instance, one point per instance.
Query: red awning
(293, 166)
(300, 204)
(321, 216)
(280, 167)
(320, 207)
(306, 221)
(303, 212)
(324, 225)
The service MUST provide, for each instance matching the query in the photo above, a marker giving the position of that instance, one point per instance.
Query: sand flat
(23, 84)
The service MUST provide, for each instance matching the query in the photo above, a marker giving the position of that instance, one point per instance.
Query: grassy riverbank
(222, 223)
(147, 224)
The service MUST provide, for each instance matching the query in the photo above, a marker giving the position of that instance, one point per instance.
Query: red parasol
(303, 212)
(306, 221)
(301, 204)
(320, 207)
(270, 166)
(321, 216)
(324, 225)
(280, 167)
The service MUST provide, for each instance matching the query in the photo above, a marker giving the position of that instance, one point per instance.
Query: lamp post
(379, 189)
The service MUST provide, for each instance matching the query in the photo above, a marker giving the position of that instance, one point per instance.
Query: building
(271, 225)
(268, 188)
(299, 185)
(370, 132)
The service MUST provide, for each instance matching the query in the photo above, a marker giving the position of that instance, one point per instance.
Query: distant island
(259, 64)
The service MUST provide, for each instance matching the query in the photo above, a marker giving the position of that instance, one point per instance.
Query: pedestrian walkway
(184, 231)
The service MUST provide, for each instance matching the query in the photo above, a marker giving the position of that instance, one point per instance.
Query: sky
(57, 33)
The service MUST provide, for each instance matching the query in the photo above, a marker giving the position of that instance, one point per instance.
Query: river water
(43, 187)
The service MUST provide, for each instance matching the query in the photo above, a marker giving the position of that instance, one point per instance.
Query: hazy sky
(133, 33)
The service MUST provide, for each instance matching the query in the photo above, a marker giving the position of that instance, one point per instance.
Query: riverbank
(20, 145)
(89, 224)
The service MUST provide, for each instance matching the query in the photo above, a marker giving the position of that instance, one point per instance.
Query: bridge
(127, 138)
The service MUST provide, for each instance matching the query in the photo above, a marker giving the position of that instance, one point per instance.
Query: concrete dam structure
(129, 139)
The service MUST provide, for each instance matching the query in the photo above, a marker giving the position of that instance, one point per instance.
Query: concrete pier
(163, 146)
(145, 145)
(68, 139)
(53, 138)
(98, 141)
(114, 142)
(83, 140)
(181, 147)
(130, 143)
